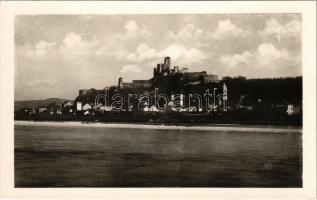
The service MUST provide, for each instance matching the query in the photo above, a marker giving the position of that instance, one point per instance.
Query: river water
(88, 156)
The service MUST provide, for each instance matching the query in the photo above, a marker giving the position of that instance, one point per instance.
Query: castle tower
(154, 72)
(120, 83)
(158, 68)
(167, 63)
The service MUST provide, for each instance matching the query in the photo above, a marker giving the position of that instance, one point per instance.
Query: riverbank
(174, 118)
(213, 127)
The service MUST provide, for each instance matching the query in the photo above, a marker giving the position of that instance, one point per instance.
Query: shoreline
(214, 127)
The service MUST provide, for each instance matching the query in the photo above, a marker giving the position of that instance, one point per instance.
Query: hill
(36, 103)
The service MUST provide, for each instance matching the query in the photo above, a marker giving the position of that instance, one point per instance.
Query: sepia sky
(58, 54)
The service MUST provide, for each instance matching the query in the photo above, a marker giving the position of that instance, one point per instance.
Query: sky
(56, 55)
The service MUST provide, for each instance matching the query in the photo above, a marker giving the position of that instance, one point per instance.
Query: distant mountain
(36, 103)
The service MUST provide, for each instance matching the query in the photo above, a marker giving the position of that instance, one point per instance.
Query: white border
(9, 9)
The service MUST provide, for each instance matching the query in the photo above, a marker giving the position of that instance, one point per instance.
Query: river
(109, 156)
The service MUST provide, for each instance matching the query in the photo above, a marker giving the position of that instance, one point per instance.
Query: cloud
(266, 60)
(280, 31)
(130, 69)
(131, 26)
(227, 29)
(236, 59)
(131, 45)
(74, 47)
(183, 54)
(266, 55)
(132, 29)
(119, 44)
(142, 52)
(72, 40)
(41, 83)
(186, 33)
(176, 51)
(40, 50)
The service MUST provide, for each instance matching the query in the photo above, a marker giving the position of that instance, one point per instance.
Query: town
(175, 94)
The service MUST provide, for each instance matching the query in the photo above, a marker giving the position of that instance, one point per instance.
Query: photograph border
(8, 10)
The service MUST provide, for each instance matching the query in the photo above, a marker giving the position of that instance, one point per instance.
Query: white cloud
(131, 26)
(71, 40)
(236, 59)
(74, 47)
(189, 32)
(142, 52)
(274, 28)
(134, 48)
(41, 83)
(130, 69)
(183, 54)
(226, 29)
(175, 51)
(133, 30)
(40, 49)
(268, 55)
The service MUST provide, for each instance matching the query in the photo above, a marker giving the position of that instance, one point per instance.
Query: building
(68, 104)
(142, 83)
(42, 109)
(164, 76)
(83, 92)
(79, 106)
(134, 84)
(86, 107)
(167, 78)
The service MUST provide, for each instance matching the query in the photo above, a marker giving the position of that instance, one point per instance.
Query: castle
(170, 78)
(176, 84)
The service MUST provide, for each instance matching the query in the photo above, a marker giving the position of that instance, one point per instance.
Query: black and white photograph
(158, 101)
(180, 100)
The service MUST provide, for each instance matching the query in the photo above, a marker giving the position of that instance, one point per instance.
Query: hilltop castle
(168, 81)
(170, 78)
